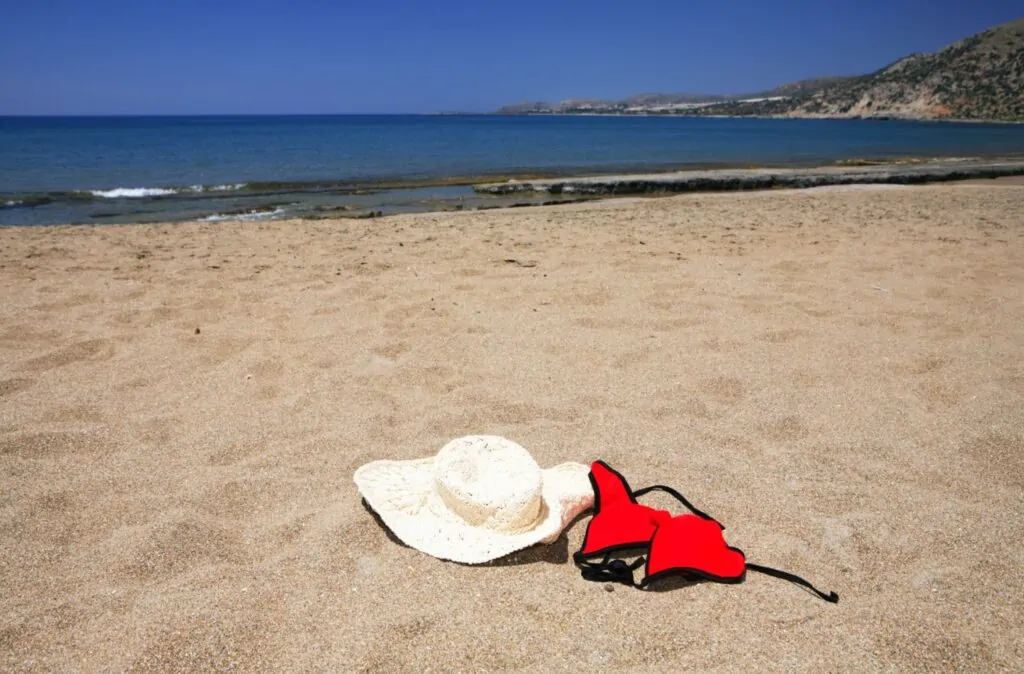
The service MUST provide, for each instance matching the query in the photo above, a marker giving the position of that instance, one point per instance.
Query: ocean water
(144, 169)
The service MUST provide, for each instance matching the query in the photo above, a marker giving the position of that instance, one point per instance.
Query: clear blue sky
(339, 56)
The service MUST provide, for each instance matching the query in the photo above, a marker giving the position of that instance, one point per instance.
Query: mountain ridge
(980, 78)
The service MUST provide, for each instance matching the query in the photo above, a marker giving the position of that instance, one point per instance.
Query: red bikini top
(689, 545)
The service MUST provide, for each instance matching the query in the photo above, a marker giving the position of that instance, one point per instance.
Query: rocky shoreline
(721, 180)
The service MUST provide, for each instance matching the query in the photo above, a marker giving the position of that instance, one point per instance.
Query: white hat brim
(402, 494)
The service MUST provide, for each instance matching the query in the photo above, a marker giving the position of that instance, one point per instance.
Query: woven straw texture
(481, 498)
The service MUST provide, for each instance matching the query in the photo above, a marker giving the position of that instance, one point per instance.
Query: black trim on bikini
(578, 555)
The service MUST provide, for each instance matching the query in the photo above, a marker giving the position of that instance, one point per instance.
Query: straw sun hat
(482, 497)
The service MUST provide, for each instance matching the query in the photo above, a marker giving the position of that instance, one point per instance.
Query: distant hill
(668, 99)
(980, 77)
(805, 87)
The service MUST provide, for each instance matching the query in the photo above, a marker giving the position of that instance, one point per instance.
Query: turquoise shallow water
(129, 169)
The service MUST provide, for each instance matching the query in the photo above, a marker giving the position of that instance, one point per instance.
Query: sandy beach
(836, 374)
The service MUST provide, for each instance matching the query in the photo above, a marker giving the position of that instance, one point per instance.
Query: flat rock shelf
(762, 178)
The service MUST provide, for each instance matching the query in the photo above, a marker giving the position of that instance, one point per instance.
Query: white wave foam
(132, 192)
(15, 202)
(246, 217)
(217, 188)
(142, 192)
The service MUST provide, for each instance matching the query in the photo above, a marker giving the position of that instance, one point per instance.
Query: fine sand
(836, 375)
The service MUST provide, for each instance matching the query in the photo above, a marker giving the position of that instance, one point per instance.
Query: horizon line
(242, 114)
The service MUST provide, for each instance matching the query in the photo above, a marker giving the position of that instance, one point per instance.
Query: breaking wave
(132, 192)
(143, 192)
(246, 216)
(27, 202)
(218, 188)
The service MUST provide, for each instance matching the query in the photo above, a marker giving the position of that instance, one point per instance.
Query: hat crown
(490, 482)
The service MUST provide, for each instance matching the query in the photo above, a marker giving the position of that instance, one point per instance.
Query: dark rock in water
(257, 209)
(328, 212)
(368, 214)
(761, 179)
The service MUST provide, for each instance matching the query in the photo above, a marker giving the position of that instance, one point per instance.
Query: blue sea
(146, 169)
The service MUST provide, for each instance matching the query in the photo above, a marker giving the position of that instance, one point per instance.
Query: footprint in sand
(161, 550)
(51, 444)
(12, 386)
(394, 351)
(725, 390)
(89, 350)
(786, 429)
(376, 366)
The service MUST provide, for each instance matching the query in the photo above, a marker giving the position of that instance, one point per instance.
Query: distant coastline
(978, 79)
(872, 118)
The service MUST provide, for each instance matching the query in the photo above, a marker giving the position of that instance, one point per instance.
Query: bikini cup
(690, 546)
(620, 522)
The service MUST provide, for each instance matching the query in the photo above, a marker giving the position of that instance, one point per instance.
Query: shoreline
(324, 199)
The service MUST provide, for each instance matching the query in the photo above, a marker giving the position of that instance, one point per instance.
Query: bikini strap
(679, 497)
(609, 570)
(831, 597)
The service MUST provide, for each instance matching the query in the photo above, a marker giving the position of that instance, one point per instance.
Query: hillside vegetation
(978, 78)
